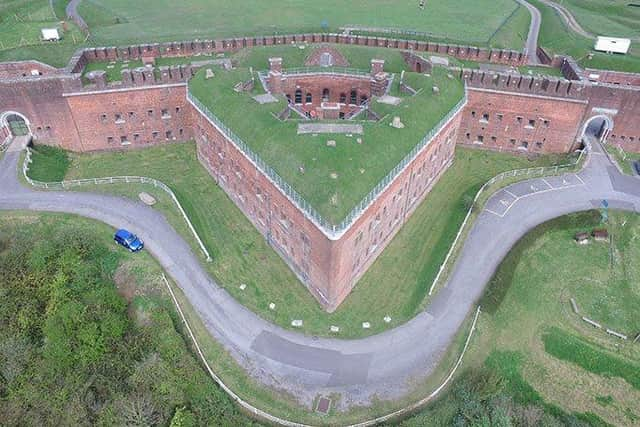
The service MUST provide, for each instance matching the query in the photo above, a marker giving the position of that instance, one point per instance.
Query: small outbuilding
(600, 235)
(582, 238)
(612, 45)
(50, 34)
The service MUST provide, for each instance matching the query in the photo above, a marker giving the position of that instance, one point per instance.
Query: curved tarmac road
(531, 44)
(384, 365)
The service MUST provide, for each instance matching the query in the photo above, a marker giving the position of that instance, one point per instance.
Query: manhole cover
(324, 404)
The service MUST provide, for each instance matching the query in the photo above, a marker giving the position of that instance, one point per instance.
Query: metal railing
(65, 185)
(340, 71)
(332, 231)
(528, 173)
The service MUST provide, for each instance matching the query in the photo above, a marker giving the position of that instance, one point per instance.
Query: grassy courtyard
(396, 285)
(336, 178)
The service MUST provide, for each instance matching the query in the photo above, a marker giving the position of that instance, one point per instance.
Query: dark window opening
(309, 98)
(354, 97)
(298, 96)
(343, 98)
(325, 95)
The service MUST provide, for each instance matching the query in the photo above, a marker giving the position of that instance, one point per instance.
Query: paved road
(72, 12)
(531, 45)
(385, 365)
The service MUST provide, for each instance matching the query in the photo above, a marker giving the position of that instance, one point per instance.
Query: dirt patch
(125, 283)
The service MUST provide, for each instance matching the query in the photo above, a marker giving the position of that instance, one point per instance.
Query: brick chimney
(275, 75)
(377, 66)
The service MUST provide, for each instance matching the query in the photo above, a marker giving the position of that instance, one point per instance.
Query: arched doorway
(15, 123)
(597, 128)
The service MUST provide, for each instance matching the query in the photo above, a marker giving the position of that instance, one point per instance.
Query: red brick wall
(141, 121)
(622, 105)
(510, 121)
(365, 240)
(20, 69)
(329, 268)
(40, 100)
(337, 85)
(613, 77)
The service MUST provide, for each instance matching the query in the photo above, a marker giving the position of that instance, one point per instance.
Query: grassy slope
(611, 18)
(359, 166)
(20, 25)
(557, 39)
(125, 21)
(545, 270)
(395, 285)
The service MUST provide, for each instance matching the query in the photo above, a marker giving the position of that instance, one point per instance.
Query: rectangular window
(103, 118)
(155, 134)
(177, 109)
(519, 120)
(136, 137)
(124, 140)
(532, 123)
(500, 116)
(150, 113)
(169, 134)
(109, 140)
(165, 114)
(132, 114)
(119, 118)
(485, 118)
(480, 138)
(545, 123)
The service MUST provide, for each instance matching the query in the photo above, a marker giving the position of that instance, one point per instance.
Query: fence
(528, 173)
(64, 185)
(331, 230)
(338, 71)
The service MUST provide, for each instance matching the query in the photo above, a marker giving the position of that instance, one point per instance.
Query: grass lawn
(395, 285)
(52, 164)
(557, 39)
(623, 158)
(20, 25)
(359, 167)
(120, 21)
(617, 18)
(527, 317)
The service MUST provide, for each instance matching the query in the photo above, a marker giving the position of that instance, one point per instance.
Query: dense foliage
(73, 353)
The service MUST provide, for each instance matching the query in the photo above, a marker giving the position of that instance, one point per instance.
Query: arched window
(343, 98)
(325, 95)
(298, 96)
(309, 99)
(354, 97)
(363, 99)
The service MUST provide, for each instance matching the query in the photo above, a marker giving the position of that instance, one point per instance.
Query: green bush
(71, 355)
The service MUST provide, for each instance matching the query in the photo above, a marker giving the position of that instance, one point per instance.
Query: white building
(612, 45)
(50, 34)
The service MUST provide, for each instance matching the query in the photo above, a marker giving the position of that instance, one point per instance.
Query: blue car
(128, 240)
